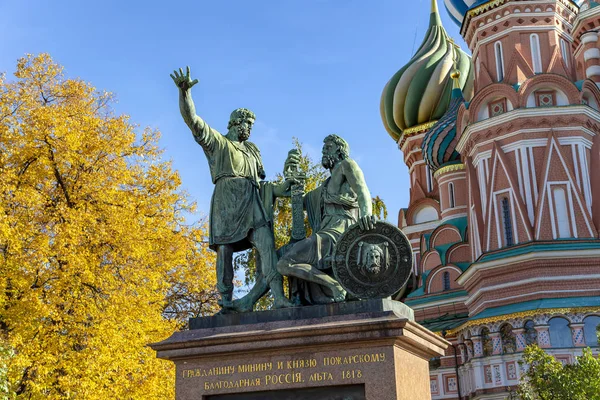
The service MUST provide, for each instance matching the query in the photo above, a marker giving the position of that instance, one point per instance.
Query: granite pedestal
(364, 350)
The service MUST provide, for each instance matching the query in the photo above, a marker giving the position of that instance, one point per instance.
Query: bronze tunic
(236, 169)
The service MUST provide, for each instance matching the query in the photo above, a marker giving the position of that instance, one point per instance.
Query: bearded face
(243, 133)
(328, 161)
(330, 155)
(243, 129)
(373, 258)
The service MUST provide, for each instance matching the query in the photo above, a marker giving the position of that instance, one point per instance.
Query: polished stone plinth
(371, 350)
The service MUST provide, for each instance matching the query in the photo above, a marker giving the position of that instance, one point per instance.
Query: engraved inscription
(283, 372)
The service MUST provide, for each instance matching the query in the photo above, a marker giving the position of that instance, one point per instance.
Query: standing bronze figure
(238, 219)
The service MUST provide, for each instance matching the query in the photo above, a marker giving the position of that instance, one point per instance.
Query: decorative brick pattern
(511, 371)
(450, 385)
(520, 339)
(543, 336)
(496, 343)
(545, 98)
(578, 336)
(433, 385)
(564, 359)
(497, 107)
(497, 375)
(487, 374)
(477, 347)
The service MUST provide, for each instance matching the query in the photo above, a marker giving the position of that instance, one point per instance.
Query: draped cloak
(329, 215)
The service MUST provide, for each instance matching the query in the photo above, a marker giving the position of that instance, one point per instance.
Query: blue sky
(307, 68)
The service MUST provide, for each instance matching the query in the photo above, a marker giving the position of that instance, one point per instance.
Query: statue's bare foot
(282, 302)
(339, 294)
(334, 292)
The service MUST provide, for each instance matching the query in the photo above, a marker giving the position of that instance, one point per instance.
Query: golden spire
(455, 75)
(434, 18)
(456, 78)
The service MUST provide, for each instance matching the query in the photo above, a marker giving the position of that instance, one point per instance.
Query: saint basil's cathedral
(504, 213)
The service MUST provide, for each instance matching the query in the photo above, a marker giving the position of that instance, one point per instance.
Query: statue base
(363, 350)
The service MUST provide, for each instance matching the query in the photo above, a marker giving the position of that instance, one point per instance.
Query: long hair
(238, 115)
(342, 145)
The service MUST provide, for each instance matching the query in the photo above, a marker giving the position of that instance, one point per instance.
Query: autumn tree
(96, 259)
(548, 379)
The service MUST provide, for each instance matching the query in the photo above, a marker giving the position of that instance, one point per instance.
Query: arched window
(451, 194)
(429, 179)
(562, 213)
(590, 330)
(509, 341)
(564, 49)
(446, 277)
(463, 348)
(536, 55)
(486, 342)
(499, 61)
(560, 333)
(530, 333)
(507, 222)
(425, 214)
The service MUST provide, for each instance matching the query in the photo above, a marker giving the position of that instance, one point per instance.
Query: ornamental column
(463, 352)
(543, 336)
(477, 348)
(520, 338)
(496, 343)
(591, 55)
(577, 332)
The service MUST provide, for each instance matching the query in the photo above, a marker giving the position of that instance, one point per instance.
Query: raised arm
(186, 105)
(356, 179)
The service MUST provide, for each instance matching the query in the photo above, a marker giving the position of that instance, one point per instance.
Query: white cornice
(473, 19)
(535, 256)
(481, 155)
(536, 293)
(452, 177)
(541, 142)
(410, 139)
(454, 216)
(519, 28)
(450, 300)
(524, 113)
(414, 164)
(575, 140)
(473, 297)
(425, 226)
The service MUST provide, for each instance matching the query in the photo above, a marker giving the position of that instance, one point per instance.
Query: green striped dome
(421, 91)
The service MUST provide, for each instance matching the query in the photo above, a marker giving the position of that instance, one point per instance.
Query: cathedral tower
(513, 256)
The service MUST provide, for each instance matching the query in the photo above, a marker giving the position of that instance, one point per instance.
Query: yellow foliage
(96, 261)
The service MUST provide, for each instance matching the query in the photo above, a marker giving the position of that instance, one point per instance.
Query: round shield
(372, 264)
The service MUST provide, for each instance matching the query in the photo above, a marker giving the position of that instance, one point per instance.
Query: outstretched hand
(183, 81)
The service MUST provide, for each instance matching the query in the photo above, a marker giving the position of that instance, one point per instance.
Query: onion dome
(458, 8)
(439, 143)
(419, 93)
